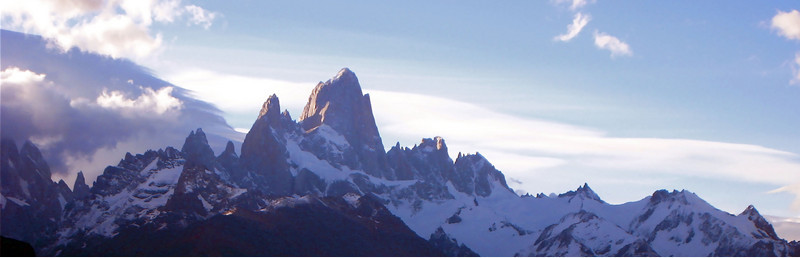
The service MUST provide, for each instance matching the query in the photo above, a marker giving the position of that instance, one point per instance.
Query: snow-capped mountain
(324, 185)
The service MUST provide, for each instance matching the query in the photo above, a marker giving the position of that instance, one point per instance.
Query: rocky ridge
(332, 161)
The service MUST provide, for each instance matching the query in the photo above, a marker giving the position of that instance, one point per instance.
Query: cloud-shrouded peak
(83, 117)
(611, 43)
(575, 28)
(787, 24)
(120, 29)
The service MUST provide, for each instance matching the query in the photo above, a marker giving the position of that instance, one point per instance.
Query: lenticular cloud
(73, 111)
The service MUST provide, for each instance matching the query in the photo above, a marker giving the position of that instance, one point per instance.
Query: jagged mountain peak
(280, 162)
(475, 158)
(474, 174)
(271, 108)
(80, 179)
(340, 104)
(196, 149)
(229, 149)
(585, 192)
(431, 144)
(286, 115)
(30, 151)
(263, 153)
(80, 189)
(683, 197)
(345, 73)
(750, 211)
(759, 221)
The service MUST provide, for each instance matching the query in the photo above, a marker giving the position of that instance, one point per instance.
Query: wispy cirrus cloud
(116, 28)
(613, 44)
(573, 4)
(601, 40)
(575, 27)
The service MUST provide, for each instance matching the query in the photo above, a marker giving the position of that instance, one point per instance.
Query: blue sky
(710, 72)
(705, 98)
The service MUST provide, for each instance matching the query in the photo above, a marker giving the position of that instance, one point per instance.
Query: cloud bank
(85, 111)
(117, 28)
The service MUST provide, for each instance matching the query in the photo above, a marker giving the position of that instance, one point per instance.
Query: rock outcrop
(340, 104)
(80, 189)
(31, 202)
(264, 152)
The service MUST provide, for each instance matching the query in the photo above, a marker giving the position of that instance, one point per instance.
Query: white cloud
(117, 28)
(787, 24)
(611, 43)
(574, 4)
(15, 76)
(200, 16)
(573, 29)
(150, 101)
(226, 90)
(792, 189)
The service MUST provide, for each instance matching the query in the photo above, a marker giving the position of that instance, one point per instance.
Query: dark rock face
(13, 247)
(32, 202)
(340, 104)
(474, 174)
(65, 193)
(264, 152)
(196, 150)
(639, 248)
(117, 178)
(285, 226)
(585, 234)
(193, 181)
(80, 189)
(427, 162)
(765, 229)
(200, 189)
(307, 183)
(440, 240)
(230, 167)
